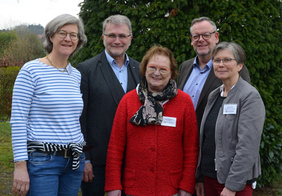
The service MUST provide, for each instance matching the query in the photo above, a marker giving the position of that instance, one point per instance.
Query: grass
(6, 155)
(7, 167)
(6, 159)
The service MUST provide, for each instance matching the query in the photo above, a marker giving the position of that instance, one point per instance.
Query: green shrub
(254, 24)
(7, 79)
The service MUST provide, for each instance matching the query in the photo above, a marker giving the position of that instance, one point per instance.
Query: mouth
(221, 71)
(156, 78)
(67, 45)
(119, 46)
(202, 46)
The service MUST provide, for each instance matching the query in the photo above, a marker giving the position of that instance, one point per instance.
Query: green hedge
(254, 24)
(7, 79)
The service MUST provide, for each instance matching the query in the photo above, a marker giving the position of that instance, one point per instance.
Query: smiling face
(116, 47)
(65, 46)
(157, 81)
(229, 70)
(204, 47)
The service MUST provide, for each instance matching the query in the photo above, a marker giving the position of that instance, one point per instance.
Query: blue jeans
(52, 175)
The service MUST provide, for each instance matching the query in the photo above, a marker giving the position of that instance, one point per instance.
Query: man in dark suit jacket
(196, 76)
(105, 79)
(204, 37)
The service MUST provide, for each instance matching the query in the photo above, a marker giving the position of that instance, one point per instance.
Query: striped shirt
(46, 107)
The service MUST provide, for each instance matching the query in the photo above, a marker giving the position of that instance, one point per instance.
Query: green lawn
(6, 160)
(6, 155)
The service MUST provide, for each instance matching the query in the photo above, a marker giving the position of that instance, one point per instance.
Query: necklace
(54, 65)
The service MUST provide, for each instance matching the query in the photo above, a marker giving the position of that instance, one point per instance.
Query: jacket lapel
(133, 75)
(186, 73)
(209, 82)
(111, 79)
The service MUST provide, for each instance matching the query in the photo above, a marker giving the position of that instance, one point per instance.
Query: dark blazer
(211, 83)
(102, 93)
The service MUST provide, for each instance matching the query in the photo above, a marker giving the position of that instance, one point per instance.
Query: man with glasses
(105, 79)
(196, 75)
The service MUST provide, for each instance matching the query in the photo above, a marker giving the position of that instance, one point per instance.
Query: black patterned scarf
(151, 112)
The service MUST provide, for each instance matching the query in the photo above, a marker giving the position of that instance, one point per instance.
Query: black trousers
(96, 187)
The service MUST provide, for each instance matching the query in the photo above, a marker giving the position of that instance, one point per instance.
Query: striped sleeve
(22, 97)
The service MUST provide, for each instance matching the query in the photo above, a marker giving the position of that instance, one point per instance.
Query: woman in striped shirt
(47, 103)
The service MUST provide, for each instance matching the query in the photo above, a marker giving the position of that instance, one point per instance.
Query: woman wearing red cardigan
(154, 134)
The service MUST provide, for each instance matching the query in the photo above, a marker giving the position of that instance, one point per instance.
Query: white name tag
(230, 109)
(169, 121)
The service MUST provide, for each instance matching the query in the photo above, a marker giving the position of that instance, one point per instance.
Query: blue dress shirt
(196, 81)
(121, 73)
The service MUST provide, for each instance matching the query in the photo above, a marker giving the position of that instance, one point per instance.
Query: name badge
(169, 121)
(230, 109)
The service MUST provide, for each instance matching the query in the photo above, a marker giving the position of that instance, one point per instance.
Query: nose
(157, 72)
(221, 63)
(68, 38)
(201, 38)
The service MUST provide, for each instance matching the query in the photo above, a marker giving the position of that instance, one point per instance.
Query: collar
(112, 61)
(69, 68)
(207, 67)
(221, 89)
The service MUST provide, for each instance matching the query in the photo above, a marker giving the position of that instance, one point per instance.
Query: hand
(183, 193)
(114, 193)
(227, 192)
(88, 173)
(21, 179)
(200, 189)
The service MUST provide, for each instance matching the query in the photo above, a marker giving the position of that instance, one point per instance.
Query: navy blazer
(211, 83)
(102, 93)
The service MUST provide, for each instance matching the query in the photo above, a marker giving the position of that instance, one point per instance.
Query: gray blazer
(237, 136)
(102, 93)
(211, 83)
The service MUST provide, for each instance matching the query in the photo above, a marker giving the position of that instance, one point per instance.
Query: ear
(51, 39)
(216, 37)
(240, 66)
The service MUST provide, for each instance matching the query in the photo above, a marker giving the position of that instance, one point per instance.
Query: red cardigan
(159, 160)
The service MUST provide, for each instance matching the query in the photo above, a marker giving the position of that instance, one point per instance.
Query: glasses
(63, 34)
(114, 36)
(205, 36)
(162, 70)
(224, 61)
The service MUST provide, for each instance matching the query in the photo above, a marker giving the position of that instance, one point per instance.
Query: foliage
(254, 24)
(6, 38)
(24, 47)
(7, 79)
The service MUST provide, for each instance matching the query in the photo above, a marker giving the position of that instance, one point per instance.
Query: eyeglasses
(205, 36)
(153, 68)
(224, 61)
(114, 36)
(63, 34)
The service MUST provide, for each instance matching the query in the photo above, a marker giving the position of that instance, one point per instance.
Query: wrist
(20, 164)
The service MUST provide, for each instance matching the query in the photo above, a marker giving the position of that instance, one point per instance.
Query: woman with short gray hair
(231, 128)
(46, 107)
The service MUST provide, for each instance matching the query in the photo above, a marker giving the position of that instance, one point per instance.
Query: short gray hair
(54, 25)
(117, 20)
(196, 20)
(234, 48)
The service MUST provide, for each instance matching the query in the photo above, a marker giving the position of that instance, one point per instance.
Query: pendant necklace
(54, 65)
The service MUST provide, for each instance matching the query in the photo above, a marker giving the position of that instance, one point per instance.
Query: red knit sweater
(159, 160)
